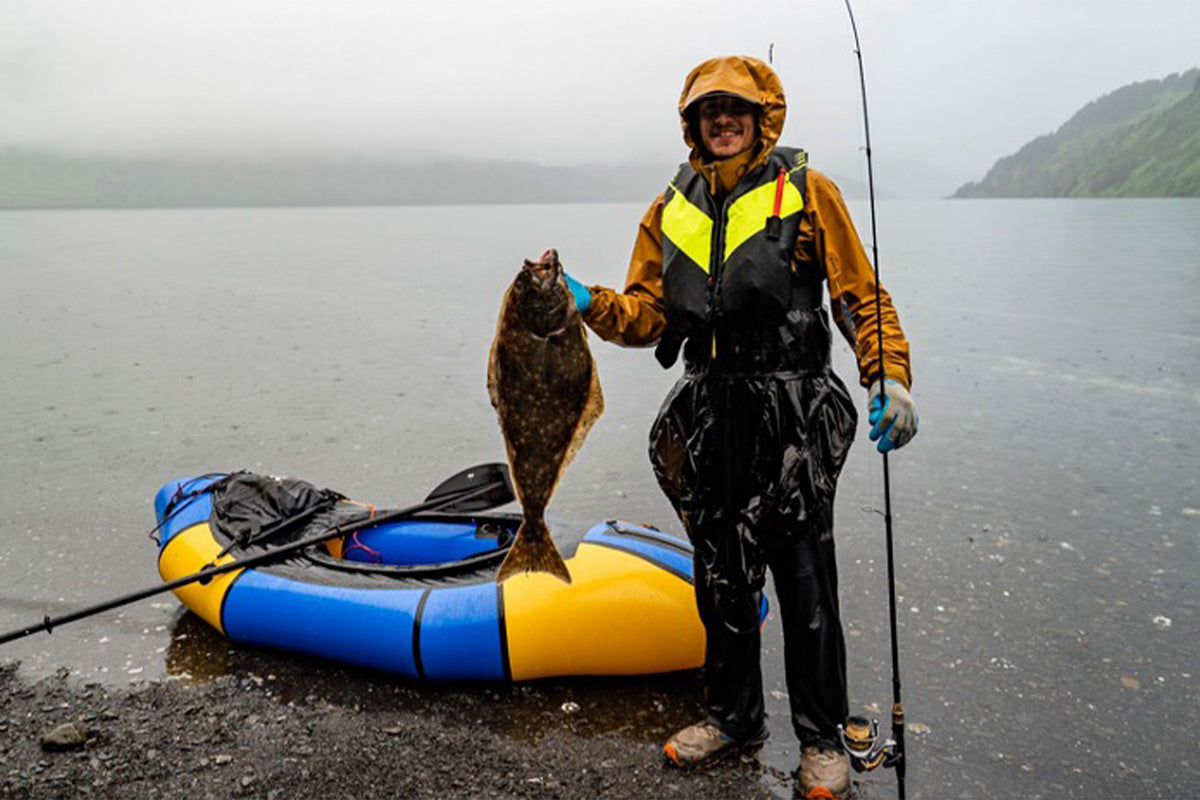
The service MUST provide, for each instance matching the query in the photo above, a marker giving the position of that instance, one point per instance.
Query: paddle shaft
(48, 623)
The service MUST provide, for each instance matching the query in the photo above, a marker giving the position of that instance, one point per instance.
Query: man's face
(726, 125)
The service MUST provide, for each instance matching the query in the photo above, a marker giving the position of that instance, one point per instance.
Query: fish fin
(493, 376)
(593, 407)
(533, 552)
(493, 373)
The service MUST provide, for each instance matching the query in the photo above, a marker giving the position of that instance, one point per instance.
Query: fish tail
(533, 551)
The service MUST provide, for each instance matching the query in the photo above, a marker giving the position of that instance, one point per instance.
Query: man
(730, 265)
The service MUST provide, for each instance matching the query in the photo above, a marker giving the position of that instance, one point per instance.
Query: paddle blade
(474, 479)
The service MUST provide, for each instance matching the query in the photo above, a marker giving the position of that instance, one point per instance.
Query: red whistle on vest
(774, 223)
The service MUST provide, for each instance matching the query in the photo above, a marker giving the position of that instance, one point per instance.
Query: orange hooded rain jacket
(827, 240)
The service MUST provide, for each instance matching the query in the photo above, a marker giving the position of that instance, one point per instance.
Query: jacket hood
(744, 77)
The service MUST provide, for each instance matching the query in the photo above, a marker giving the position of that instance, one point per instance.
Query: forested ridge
(1142, 140)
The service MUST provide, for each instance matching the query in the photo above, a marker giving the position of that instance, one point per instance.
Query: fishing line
(859, 737)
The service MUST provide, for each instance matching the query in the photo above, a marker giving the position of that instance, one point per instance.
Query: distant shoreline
(35, 180)
(295, 206)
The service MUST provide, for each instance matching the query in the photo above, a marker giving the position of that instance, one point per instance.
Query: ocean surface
(1047, 517)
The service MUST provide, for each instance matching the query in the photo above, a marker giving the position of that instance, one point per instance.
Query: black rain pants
(750, 463)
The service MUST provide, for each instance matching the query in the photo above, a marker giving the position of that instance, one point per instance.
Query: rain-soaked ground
(1047, 515)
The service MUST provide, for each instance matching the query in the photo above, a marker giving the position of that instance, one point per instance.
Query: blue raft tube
(418, 597)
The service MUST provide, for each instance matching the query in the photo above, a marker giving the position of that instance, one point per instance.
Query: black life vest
(729, 270)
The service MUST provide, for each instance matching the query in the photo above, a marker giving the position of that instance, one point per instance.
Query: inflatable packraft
(417, 596)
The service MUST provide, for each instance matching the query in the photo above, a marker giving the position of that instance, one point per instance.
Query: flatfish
(543, 384)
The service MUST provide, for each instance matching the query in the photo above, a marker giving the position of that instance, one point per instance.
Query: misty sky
(953, 84)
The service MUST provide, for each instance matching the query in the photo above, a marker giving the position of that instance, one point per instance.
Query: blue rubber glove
(583, 295)
(892, 415)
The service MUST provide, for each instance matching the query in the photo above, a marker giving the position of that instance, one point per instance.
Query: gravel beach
(309, 730)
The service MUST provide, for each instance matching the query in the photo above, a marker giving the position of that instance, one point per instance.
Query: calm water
(1047, 516)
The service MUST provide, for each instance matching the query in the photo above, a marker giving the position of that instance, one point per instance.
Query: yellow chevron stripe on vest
(748, 214)
(689, 229)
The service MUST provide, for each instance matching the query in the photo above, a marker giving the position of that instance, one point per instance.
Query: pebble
(67, 736)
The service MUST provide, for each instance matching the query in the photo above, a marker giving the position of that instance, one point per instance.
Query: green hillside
(1143, 140)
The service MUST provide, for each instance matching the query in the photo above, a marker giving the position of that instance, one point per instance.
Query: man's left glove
(582, 294)
(892, 415)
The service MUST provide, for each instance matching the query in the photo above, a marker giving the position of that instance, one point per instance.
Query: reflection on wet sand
(196, 653)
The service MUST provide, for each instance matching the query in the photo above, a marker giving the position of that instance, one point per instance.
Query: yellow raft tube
(418, 597)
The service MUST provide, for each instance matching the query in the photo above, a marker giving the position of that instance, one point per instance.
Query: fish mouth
(546, 271)
(546, 304)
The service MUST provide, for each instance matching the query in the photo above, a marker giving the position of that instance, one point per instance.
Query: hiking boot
(704, 744)
(824, 773)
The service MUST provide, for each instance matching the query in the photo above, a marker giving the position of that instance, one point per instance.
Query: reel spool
(862, 743)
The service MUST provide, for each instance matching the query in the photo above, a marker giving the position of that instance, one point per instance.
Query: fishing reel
(863, 744)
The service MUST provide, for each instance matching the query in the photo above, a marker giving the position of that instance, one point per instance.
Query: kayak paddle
(474, 489)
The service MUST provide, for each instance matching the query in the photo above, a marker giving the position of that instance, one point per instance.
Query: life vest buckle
(774, 228)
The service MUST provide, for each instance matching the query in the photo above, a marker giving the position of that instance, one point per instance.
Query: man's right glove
(892, 415)
(582, 294)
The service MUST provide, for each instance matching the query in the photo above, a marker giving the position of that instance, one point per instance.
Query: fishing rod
(860, 736)
(474, 489)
